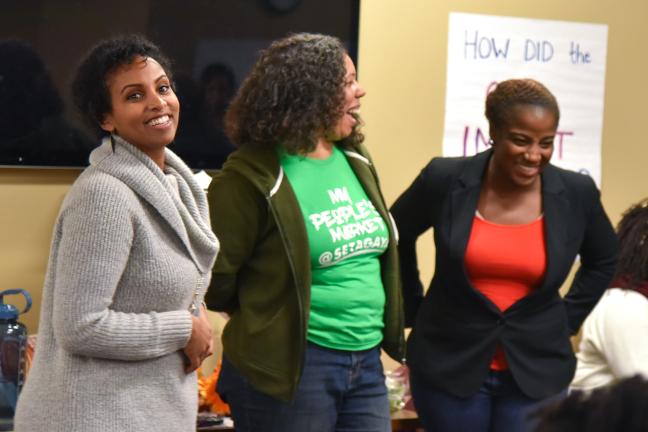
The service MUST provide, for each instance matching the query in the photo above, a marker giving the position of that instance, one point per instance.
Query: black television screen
(212, 43)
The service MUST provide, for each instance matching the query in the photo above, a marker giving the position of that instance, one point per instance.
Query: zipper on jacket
(394, 237)
(299, 296)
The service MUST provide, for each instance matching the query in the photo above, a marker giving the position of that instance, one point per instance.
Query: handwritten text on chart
(567, 57)
(484, 47)
(480, 140)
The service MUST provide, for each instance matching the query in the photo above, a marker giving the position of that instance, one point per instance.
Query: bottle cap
(9, 311)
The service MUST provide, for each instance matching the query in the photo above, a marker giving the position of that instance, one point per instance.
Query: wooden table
(402, 421)
(405, 420)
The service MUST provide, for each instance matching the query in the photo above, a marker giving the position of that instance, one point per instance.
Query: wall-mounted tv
(212, 44)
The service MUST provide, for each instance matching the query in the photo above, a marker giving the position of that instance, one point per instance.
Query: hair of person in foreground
(621, 407)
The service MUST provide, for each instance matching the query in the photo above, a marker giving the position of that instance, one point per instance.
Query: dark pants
(498, 406)
(339, 391)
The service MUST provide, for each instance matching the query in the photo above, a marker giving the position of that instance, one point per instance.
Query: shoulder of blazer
(560, 180)
(455, 172)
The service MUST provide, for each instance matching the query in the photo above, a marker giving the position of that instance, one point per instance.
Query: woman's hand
(201, 342)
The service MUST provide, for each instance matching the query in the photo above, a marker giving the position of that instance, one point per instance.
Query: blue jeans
(339, 391)
(498, 406)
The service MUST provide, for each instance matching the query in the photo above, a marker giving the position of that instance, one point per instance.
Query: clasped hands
(201, 342)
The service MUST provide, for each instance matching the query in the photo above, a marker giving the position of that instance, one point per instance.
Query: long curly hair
(293, 95)
(515, 92)
(632, 232)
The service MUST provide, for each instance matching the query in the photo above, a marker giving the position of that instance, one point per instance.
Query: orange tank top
(505, 263)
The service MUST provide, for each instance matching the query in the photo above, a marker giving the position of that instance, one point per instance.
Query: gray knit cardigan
(129, 255)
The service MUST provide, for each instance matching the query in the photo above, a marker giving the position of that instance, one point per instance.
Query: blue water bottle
(13, 341)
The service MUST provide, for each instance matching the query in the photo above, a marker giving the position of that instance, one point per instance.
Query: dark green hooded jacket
(262, 276)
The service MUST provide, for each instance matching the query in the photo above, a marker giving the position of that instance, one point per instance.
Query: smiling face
(145, 110)
(523, 146)
(351, 105)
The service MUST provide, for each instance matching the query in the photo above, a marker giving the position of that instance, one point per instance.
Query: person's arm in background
(623, 334)
(412, 214)
(598, 256)
(235, 209)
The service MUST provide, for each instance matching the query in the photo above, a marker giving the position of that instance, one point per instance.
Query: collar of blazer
(556, 208)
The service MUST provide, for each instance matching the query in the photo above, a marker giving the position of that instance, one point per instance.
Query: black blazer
(456, 328)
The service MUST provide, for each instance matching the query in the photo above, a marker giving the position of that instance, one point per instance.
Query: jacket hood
(261, 166)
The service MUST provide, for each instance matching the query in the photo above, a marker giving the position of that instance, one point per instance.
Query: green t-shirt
(346, 237)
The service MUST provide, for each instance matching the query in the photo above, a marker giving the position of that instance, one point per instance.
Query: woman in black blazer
(490, 339)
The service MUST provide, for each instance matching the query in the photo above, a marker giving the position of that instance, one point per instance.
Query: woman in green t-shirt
(308, 270)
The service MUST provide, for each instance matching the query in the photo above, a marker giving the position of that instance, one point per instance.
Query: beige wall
(29, 201)
(402, 65)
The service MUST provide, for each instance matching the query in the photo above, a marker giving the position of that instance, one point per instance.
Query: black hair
(90, 91)
(632, 232)
(621, 407)
(507, 95)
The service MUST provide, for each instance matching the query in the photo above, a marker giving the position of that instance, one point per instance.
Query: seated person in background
(622, 407)
(615, 335)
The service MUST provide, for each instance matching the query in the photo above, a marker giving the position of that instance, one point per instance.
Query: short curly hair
(632, 232)
(294, 93)
(515, 92)
(90, 92)
(622, 406)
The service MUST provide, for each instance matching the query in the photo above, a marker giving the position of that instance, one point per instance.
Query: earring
(491, 142)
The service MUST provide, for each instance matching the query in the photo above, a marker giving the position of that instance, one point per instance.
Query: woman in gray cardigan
(122, 328)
